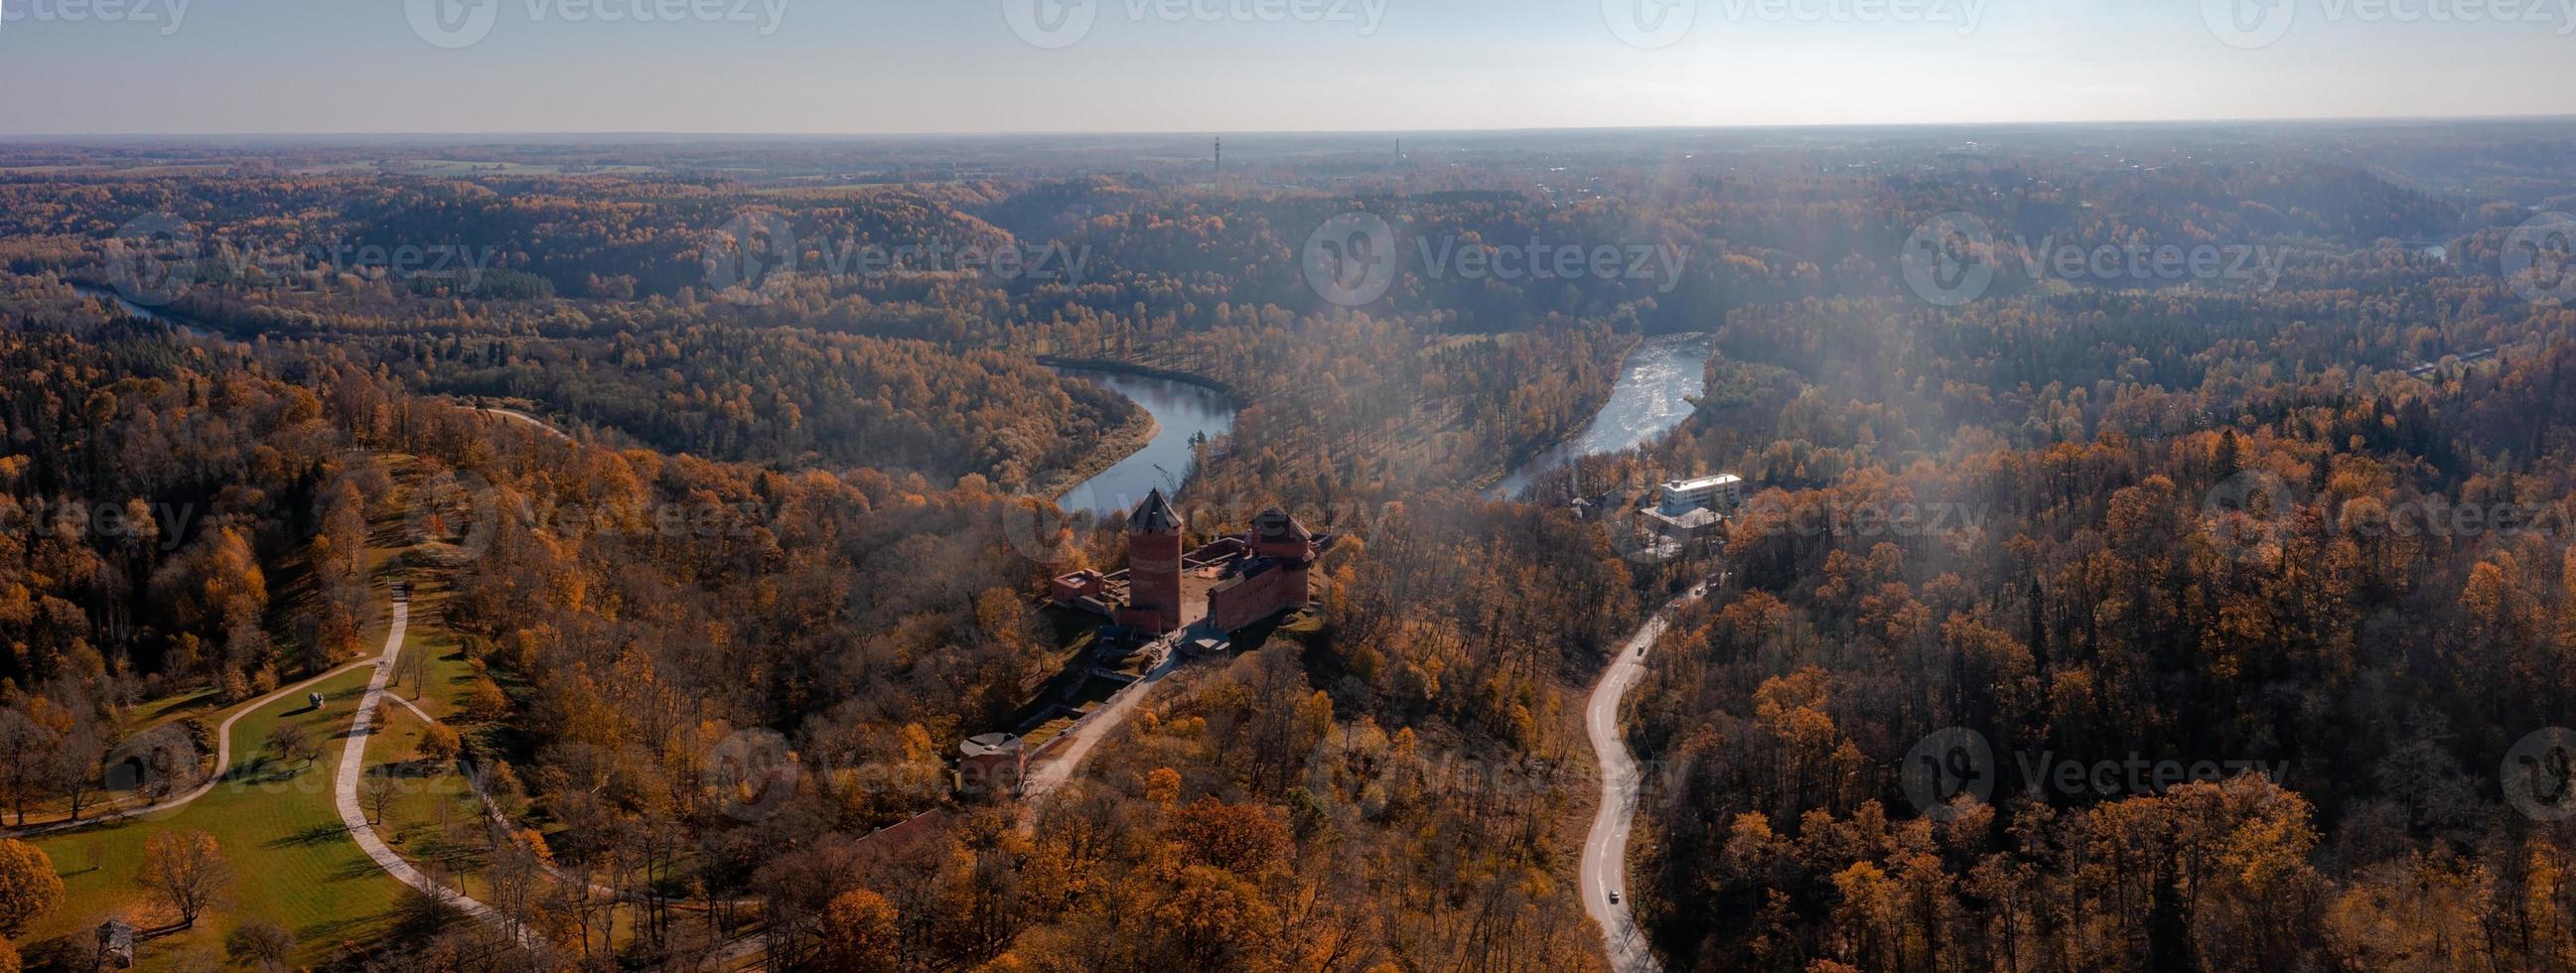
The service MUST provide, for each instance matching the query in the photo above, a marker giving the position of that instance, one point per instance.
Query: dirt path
(530, 420)
(1044, 778)
(1605, 850)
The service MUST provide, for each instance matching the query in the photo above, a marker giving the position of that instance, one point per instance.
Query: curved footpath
(353, 764)
(223, 766)
(345, 795)
(1605, 850)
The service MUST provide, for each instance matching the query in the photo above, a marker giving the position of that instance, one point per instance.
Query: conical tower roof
(1155, 514)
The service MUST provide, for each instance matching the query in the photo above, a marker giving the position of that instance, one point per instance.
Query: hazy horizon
(1134, 67)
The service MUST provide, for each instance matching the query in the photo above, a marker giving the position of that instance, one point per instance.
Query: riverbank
(1129, 439)
(1234, 399)
(1659, 380)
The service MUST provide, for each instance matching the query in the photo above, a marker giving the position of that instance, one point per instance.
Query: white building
(1720, 493)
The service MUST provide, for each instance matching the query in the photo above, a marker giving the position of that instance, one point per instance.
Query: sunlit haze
(809, 66)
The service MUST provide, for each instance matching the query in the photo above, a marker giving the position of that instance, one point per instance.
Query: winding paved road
(1605, 850)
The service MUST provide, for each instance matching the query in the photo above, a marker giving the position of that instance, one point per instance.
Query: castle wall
(1250, 598)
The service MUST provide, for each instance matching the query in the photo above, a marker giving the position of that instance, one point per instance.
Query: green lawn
(292, 861)
(436, 819)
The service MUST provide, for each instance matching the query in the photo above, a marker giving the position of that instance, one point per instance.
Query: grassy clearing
(292, 860)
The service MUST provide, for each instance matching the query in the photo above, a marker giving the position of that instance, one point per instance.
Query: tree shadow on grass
(315, 835)
(351, 929)
(361, 867)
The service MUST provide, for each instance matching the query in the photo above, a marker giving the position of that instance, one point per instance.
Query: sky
(100, 67)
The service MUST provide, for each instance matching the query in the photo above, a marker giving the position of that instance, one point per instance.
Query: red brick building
(1228, 584)
(1153, 567)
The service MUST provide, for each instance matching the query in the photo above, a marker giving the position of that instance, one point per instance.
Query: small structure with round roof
(992, 765)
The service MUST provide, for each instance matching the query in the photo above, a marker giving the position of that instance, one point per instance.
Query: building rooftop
(1703, 483)
(1275, 526)
(1155, 513)
(990, 744)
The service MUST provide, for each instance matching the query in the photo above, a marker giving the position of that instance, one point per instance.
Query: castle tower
(1278, 536)
(1154, 566)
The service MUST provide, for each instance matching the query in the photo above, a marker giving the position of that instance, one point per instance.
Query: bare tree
(80, 766)
(26, 760)
(186, 871)
(415, 668)
(291, 742)
(376, 793)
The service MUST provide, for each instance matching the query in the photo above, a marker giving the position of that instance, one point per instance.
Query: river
(137, 310)
(1182, 412)
(1652, 396)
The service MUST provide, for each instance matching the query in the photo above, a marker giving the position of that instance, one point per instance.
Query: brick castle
(1226, 585)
